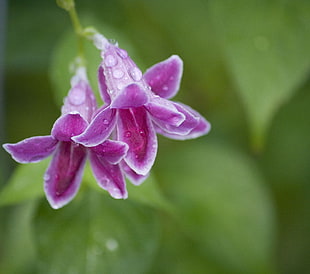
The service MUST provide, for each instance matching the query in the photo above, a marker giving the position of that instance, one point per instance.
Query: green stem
(78, 29)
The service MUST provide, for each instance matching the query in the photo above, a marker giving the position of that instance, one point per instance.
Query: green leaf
(267, 48)
(96, 234)
(222, 204)
(17, 246)
(25, 183)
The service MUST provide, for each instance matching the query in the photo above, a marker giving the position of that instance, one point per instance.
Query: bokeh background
(234, 201)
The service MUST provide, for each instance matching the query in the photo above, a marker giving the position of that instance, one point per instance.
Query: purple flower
(137, 106)
(64, 174)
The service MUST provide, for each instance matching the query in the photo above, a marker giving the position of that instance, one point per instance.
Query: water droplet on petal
(46, 177)
(112, 41)
(116, 193)
(127, 134)
(105, 121)
(110, 61)
(165, 88)
(135, 73)
(77, 96)
(117, 73)
(142, 132)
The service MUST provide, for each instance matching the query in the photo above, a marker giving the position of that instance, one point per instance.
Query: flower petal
(80, 99)
(135, 128)
(67, 126)
(165, 77)
(108, 176)
(184, 128)
(164, 112)
(64, 174)
(103, 86)
(202, 126)
(99, 129)
(132, 95)
(112, 151)
(31, 150)
(135, 178)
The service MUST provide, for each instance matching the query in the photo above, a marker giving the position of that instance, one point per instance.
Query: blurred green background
(234, 201)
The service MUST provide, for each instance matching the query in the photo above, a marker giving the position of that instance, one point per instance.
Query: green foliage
(25, 183)
(221, 211)
(96, 234)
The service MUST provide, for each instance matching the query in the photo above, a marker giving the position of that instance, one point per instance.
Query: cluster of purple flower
(119, 138)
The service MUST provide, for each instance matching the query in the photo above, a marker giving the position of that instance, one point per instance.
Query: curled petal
(135, 128)
(64, 174)
(67, 126)
(31, 150)
(112, 151)
(99, 129)
(108, 176)
(103, 86)
(132, 95)
(164, 112)
(135, 178)
(165, 77)
(189, 123)
(202, 126)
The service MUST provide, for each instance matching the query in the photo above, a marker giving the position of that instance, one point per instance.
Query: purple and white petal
(64, 174)
(135, 128)
(32, 150)
(112, 151)
(132, 95)
(80, 99)
(165, 77)
(164, 112)
(67, 126)
(103, 89)
(108, 176)
(135, 178)
(99, 129)
(202, 126)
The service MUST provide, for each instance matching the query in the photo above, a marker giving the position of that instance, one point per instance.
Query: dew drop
(46, 177)
(165, 88)
(135, 73)
(110, 61)
(112, 41)
(142, 132)
(127, 134)
(117, 73)
(116, 193)
(77, 96)
(105, 121)
(111, 244)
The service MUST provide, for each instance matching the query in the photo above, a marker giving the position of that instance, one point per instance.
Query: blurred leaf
(222, 204)
(19, 255)
(96, 234)
(286, 163)
(25, 183)
(267, 47)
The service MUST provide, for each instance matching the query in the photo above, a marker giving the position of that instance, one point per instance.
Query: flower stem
(69, 6)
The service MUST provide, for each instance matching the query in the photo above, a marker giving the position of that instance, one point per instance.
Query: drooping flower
(64, 174)
(137, 106)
